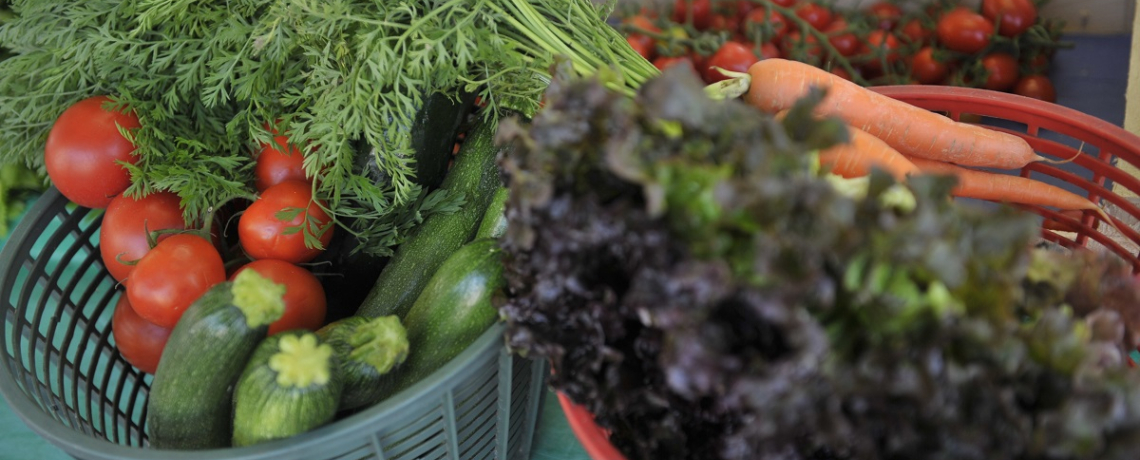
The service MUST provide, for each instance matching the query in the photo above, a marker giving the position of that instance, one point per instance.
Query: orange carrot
(861, 153)
(856, 158)
(778, 83)
(1007, 188)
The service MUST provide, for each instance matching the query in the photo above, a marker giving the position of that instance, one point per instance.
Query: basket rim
(361, 424)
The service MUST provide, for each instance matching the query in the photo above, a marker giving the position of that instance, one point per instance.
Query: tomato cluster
(164, 262)
(1001, 45)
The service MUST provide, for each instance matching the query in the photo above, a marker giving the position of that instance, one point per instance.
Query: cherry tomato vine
(994, 45)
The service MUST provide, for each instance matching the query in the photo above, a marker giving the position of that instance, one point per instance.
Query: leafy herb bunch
(343, 79)
(707, 294)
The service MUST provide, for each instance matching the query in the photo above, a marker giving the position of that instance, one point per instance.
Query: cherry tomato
(305, 304)
(841, 73)
(126, 223)
(880, 43)
(800, 47)
(769, 51)
(784, 3)
(700, 11)
(278, 163)
(732, 56)
(914, 31)
(964, 31)
(817, 16)
(1001, 71)
(743, 7)
(264, 235)
(173, 275)
(887, 14)
(1037, 63)
(844, 41)
(1037, 87)
(139, 341)
(764, 25)
(725, 22)
(83, 151)
(643, 45)
(926, 69)
(1012, 16)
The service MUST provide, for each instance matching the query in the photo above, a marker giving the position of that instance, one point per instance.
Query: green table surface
(1090, 77)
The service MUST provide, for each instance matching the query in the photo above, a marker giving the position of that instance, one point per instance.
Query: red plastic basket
(1096, 149)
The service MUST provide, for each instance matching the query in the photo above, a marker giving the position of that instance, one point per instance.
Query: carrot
(1006, 188)
(861, 153)
(778, 83)
(856, 158)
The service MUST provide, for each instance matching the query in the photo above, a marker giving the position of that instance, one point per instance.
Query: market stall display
(428, 251)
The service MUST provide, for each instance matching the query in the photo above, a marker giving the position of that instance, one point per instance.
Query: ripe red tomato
(1037, 63)
(764, 25)
(278, 163)
(926, 69)
(887, 14)
(769, 51)
(816, 15)
(123, 234)
(880, 43)
(732, 56)
(784, 3)
(1037, 87)
(264, 235)
(84, 149)
(1012, 16)
(964, 31)
(743, 7)
(700, 11)
(643, 45)
(844, 41)
(172, 276)
(800, 47)
(841, 73)
(914, 31)
(305, 304)
(1001, 71)
(726, 22)
(139, 341)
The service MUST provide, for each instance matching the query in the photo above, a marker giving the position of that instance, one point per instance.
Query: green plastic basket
(63, 376)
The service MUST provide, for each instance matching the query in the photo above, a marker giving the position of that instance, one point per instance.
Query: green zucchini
(476, 175)
(494, 222)
(434, 132)
(366, 349)
(191, 399)
(452, 312)
(291, 385)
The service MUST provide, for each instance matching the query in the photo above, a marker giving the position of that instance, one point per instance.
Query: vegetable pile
(294, 222)
(359, 89)
(707, 292)
(1002, 45)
